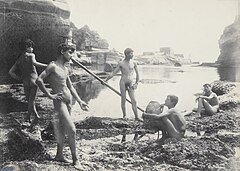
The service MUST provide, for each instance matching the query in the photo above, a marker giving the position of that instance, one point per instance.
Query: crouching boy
(171, 122)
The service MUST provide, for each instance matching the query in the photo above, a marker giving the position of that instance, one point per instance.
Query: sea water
(156, 83)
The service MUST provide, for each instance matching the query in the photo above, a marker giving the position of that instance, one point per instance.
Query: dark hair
(127, 51)
(24, 44)
(207, 85)
(65, 47)
(174, 99)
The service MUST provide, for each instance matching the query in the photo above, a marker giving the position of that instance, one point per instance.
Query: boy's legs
(162, 127)
(209, 110)
(170, 128)
(31, 103)
(26, 88)
(69, 128)
(131, 93)
(123, 97)
(200, 106)
(60, 137)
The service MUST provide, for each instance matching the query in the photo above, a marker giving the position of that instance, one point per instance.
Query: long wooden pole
(99, 79)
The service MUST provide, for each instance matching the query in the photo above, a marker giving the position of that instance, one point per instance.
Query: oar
(99, 79)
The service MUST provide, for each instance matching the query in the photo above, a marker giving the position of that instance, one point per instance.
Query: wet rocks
(214, 123)
(203, 153)
(89, 134)
(106, 123)
(228, 93)
(22, 145)
(108, 144)
(100, 127)
(20, 165)
(222, 87)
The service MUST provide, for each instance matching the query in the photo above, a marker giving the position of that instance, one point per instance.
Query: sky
(189, 27)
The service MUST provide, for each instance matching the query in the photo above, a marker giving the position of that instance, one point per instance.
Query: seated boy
(171, 122)
(208, 103)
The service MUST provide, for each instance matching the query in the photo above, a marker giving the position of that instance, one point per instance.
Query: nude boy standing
(27, 64)
(127, 81)
(58, 77)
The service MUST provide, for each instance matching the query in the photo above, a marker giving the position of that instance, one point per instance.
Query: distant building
(148, 53)
(167, 51)
(179, 55)
(102, 56)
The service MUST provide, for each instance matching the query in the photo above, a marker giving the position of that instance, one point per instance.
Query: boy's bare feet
(34, 123)
(27, 119)
(138, 119)
(77, 165)
(161, 140)
(61, 159)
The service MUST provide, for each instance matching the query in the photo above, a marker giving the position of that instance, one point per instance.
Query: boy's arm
(137, 76)
(158, 116)
(212, 95)
(37, 64)
(82, 104)
(150, 116)
(116, 70)
(137, 73)
(42, 87)
(12, 72)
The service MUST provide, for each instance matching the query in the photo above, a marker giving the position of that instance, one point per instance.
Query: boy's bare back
(25, 63)
(177, 119)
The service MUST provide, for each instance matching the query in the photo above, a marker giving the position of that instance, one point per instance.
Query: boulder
(43, 21)
(23, 145)
(229, 58)
(153, 107)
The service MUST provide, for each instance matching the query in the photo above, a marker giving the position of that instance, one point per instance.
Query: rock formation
(229, 58)
(43, 21)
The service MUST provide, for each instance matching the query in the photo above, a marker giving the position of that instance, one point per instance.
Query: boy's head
(207, 87)
(171, 100)
(63, 47)
(27, 43)
(127, 51)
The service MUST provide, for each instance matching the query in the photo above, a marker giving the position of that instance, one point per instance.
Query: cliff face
(229, 59)
(43, 21)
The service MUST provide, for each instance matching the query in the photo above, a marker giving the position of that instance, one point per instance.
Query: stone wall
(43, 21)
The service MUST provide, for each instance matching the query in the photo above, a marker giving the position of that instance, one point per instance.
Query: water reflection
(166, 73)
(89, 89)
(229, 73)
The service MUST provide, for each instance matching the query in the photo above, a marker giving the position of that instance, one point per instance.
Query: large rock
(153, 107)
(228, 94)
(229, 58)
(23, 145)
(43, 21)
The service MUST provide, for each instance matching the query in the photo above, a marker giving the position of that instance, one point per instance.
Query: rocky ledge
(211, 143)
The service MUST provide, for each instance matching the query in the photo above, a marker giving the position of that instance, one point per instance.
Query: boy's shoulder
(52, 64)
(173, 110)
(30, 54)
(214, 94)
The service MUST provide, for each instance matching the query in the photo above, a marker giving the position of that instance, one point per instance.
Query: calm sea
(156, 83)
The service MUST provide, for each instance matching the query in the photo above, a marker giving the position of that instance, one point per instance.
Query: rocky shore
(211, 143)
